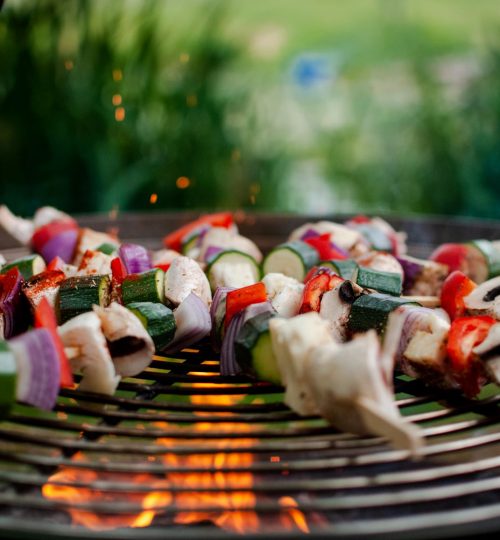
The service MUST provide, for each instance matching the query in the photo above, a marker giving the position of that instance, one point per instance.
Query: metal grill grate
(343, 486)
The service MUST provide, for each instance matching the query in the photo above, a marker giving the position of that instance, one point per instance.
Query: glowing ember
(116, 100)
(120, 114)
(182, 182)
(69, 65)
(153, 198)
(117, 75)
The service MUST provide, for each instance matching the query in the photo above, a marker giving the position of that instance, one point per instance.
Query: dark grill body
(226, 456)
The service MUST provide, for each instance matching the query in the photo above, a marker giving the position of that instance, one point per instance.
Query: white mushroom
(183, 277)
(335, 308)
(227, 239)
(292, 340)
(350, 391)
(92, 358)
(131, 346)
(232, 274)
(19, 228)
(489, 351)
(384, 262)
(485, 299)
(284, 293)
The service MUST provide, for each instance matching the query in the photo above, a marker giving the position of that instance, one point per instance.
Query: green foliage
(439, 154)
(63, 141)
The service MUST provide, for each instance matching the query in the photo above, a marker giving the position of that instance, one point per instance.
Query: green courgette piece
(144, 287)
(28, 266)
(8, 378)
(384, 282)
(232, 256)
(372, 310)
(346, 269)
(157, 319)
(491, 254)
(108, 248)
(377, 238)
(79, 293)
(254, 352)
(293, 259)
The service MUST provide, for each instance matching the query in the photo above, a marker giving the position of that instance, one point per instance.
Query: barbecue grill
(183, 453)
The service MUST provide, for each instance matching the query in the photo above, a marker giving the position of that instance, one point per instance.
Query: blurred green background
(289, 105)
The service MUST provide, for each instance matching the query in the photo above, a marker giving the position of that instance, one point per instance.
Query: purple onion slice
(62, 245)
(228, 364)
(193, 323)
(38, 368)
(217, 316)
(135, 258)
(412, 268)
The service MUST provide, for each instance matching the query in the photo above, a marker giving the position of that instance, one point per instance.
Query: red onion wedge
(217, 316)
(211, 252)
(193, 323)
(62, 245)
(11, 301)
(228, 363)
(38, 368)
(412, 268)
(135, 258)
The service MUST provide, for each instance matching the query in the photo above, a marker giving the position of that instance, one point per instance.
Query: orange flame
(233, 510)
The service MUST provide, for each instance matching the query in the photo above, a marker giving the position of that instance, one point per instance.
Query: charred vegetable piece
(43, 285)
(8, 378)
(455, 288)
(239, 299)
(465, 334)
(254, 352)
(78, 294)
(293, 259)
(372, 310)
(28, 266)
(157, 319)
(145, 287)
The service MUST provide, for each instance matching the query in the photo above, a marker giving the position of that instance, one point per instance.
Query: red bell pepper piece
(465, 334)
(118, 270)
(455, 288)
(44, 317)
(323, 246)
(43, 234)
(174, 239)
(359, 219)
(56, 264)
(239, 299)
(453, 255)
(320, 281)
(163, 267)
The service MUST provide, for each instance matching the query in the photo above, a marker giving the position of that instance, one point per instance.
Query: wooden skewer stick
(426, 301)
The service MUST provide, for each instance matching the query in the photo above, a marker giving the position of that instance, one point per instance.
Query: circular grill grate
(181, 430)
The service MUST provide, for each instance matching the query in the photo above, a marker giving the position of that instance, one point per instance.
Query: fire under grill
(179, 451)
